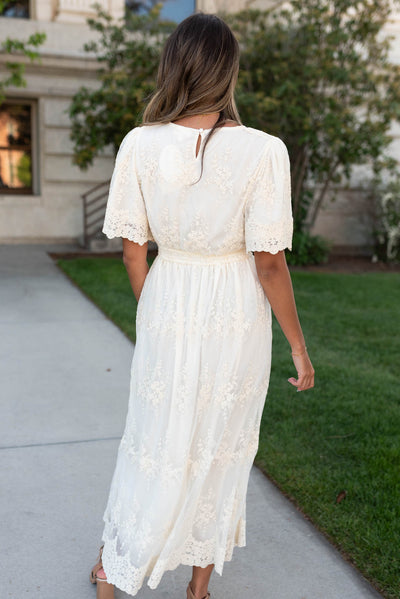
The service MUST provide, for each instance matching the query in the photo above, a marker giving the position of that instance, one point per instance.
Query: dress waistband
(193, 258)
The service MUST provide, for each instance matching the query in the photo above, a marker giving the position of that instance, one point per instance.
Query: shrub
(308, 249)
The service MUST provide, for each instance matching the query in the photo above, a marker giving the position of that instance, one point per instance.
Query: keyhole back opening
(198, 144)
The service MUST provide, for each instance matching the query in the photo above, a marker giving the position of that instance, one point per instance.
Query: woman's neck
(199, 121)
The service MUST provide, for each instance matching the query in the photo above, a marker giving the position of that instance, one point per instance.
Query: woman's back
(241, 199)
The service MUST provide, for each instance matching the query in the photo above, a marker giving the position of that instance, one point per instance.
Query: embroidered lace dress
(201, 364)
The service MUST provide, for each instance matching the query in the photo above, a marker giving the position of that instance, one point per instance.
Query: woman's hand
(305, 372)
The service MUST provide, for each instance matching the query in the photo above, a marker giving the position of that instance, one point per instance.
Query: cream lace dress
(201, 365)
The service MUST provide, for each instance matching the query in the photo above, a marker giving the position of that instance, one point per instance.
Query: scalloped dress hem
(155, 571)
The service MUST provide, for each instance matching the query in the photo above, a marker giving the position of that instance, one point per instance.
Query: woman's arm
(135, 261)
(274, 277)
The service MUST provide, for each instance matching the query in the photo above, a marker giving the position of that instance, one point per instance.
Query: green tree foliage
(15, 70)
(128, 55)
(318, 75)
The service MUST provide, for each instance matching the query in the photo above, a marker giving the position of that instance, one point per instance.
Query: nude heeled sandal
(97, 575)
(191, 595)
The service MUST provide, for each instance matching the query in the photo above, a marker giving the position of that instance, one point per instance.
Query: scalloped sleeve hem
(128, 233)
(270, 238)
(122, 224)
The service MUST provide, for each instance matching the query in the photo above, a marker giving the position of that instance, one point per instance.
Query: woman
(210, 192)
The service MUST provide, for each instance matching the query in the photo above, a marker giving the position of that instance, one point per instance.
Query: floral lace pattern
(201, 365)
(131, 224)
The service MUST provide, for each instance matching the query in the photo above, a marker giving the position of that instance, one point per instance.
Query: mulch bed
(350, 264)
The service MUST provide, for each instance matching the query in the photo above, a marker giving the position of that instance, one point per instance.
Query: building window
(15, 9)
(172, 10)
(177, 10)
(16, 169)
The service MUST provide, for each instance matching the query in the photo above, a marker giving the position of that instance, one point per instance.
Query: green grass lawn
(342, 435)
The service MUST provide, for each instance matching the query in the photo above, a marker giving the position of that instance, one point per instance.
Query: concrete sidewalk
(64, 372)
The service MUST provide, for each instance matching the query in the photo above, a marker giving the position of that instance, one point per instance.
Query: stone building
(40, 189)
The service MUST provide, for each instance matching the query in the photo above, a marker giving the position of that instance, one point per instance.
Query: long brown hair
(197, 74)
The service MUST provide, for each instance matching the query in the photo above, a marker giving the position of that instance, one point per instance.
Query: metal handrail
(92, 205)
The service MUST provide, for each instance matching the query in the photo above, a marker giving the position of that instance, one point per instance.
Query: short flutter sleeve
(268, 207)
(126, 214)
